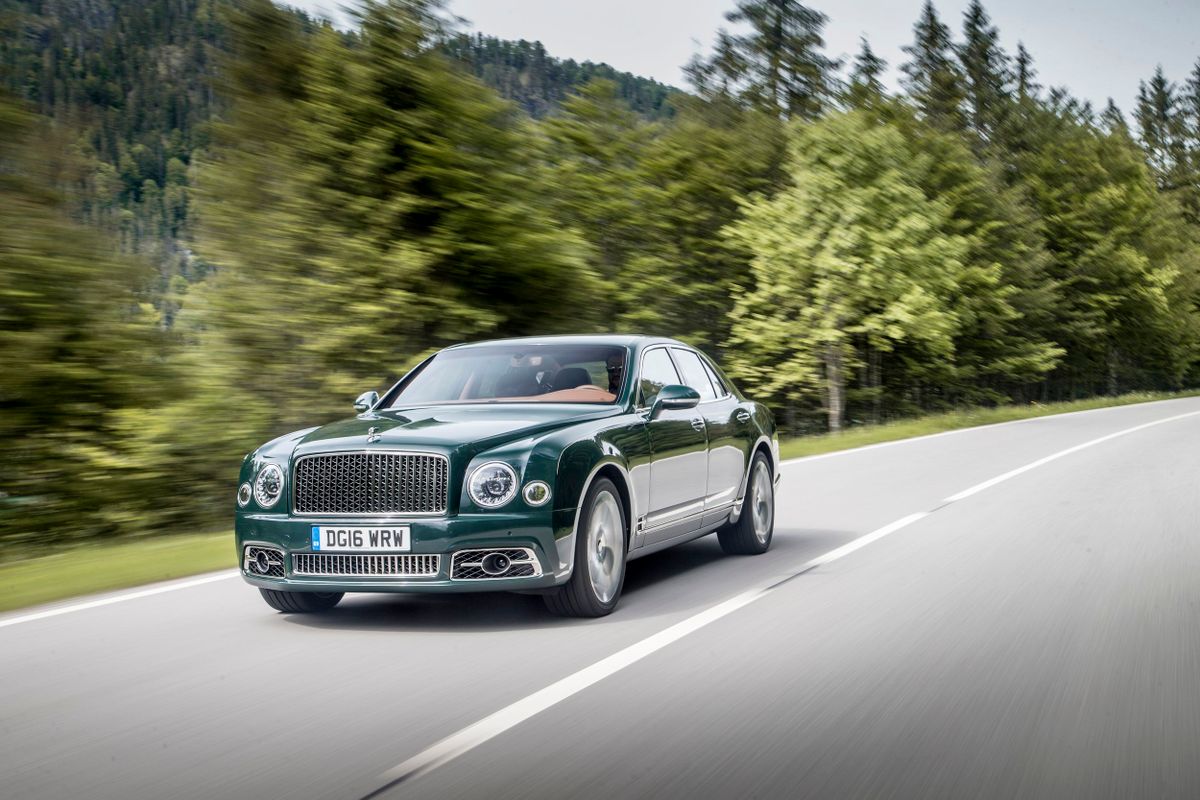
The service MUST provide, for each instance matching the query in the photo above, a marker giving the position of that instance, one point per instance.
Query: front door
(678, 455)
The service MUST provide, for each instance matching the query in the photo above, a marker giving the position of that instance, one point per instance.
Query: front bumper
(546, 533)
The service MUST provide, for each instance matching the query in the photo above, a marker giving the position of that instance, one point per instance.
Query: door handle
(743, 416)
(698, 423)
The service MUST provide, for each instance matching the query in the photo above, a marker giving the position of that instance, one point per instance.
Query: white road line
(512, 715)
(972, 429)
(979, 487)
(120, 598)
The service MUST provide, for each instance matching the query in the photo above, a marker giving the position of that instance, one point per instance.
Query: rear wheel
(599, 574)
(751, 534)
(301, 602)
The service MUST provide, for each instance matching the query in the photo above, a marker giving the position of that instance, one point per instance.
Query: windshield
(520, 373)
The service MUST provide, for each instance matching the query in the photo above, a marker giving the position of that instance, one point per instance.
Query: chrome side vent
(263, 562)
(490, 564)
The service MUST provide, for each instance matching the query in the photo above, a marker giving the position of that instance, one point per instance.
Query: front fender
(579, 463)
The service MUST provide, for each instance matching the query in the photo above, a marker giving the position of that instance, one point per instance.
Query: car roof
(615, 339)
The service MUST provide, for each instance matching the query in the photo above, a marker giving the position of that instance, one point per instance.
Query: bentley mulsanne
(537, 465)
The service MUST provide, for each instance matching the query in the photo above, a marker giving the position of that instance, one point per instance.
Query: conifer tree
(1161, 127)
(778, 65)
(985, 70)
(1113, 118)
(866, 86)
(1026, 75)
(932, 75)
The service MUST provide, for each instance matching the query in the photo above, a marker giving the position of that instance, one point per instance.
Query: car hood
(449, 427)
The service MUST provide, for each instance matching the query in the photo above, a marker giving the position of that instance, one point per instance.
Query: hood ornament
(373, 435)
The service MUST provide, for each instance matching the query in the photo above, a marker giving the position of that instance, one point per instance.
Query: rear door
(727, 425)
(678, 455)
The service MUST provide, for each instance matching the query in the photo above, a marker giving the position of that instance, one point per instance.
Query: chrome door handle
(743, 416)
(698, 423)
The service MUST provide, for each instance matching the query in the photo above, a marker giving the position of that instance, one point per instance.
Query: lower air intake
(326, 564)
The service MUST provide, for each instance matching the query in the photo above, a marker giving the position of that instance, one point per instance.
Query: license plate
(352, 539)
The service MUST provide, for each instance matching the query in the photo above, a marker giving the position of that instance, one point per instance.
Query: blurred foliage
(77, 351)
(220, 220)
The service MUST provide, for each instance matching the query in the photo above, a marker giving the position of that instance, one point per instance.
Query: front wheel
(599, 574)
(751, 534)
(301, 602)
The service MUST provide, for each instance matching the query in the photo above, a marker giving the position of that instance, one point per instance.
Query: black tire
(749, 536)
(578, 597)
(301, 602)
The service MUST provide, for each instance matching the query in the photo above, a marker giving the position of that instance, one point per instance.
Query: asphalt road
(1038, 637)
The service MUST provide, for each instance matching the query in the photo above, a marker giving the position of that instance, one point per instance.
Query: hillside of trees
(220, 221)
(539, 83)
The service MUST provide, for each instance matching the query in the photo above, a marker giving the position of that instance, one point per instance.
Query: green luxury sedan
(539, 465)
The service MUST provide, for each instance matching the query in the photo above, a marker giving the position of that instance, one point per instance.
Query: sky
(1096, 48)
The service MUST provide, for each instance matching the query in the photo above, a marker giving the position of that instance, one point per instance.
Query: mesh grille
(371, 483)
(467, 565)
(328, 564)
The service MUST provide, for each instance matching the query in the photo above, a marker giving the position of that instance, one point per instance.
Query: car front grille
(467, 565)
(365, 565)
(371, 483)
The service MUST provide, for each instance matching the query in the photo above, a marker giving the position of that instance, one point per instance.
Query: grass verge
(112, 565)
(954, 420)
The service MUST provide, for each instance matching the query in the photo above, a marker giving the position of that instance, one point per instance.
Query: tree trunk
(834, 386)
(876, 384)
(1113, 388)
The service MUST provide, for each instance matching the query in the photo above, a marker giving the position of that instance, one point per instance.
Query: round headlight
(492, 485)
(268, 486)
(244, 492)
(536, 493)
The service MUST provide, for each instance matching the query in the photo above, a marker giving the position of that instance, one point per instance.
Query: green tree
(852, 255)
(986, 72)
(1025, 75)
(932, 76)
(651, 201)
(78, 349)
(778, 66)
(1124, 258)
(1161, 128)
(866, 87)
(366, 201)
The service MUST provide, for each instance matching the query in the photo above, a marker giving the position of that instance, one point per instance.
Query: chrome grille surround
(467, 565)
(366, 565)
(274, 558)
(380, 483)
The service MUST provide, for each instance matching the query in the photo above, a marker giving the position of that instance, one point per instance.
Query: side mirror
(674, 397)
(366, 401)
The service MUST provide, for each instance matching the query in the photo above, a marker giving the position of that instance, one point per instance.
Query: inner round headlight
(243, 495)
(492, 485)
(268, 486)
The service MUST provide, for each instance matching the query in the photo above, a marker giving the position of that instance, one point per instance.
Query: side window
(657, 372)
(718, 384)
(694, 374)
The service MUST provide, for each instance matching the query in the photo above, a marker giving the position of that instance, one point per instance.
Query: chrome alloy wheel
(605, 547)
(762, 502)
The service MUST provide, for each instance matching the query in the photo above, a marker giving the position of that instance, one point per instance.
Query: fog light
(536, 493)
(262, 563)
(495, 564)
